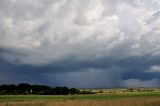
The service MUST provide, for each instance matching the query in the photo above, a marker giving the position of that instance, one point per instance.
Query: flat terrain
(102, 99)
(4, 98)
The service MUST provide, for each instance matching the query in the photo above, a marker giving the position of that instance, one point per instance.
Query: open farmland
(103, 99)
(109, 102)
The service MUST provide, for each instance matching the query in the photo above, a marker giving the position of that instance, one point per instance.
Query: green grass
(4, 98)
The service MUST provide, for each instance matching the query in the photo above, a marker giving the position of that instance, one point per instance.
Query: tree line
(26, 89)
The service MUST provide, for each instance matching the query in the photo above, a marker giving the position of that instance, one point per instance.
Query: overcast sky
(80, 43)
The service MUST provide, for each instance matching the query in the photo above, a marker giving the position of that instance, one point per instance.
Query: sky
(80, 43)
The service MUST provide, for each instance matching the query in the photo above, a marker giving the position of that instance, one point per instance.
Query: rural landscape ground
(103, 97)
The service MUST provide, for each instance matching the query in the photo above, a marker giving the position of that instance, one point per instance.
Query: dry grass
(111, 102)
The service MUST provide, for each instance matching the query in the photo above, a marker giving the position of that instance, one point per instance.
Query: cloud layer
(111, 41)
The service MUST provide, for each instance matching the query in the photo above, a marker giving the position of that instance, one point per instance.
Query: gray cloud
(153, 18)
(102, 39)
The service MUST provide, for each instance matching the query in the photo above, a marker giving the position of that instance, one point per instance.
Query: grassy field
(111, 99)
(108, 102)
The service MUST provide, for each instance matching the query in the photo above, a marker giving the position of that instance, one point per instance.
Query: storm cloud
(79, 43)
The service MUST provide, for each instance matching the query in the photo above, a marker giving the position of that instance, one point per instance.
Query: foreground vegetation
(7, 98)
(114, 99)
(142, 101)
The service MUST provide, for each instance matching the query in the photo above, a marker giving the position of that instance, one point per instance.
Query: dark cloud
(74, 73)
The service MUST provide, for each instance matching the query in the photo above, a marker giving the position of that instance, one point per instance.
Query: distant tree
(25, 89)
(101, 91)
(61, 91)
(40, 89)
(11, 89)
(74, 91)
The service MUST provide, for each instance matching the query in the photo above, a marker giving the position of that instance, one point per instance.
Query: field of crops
(113, 99)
